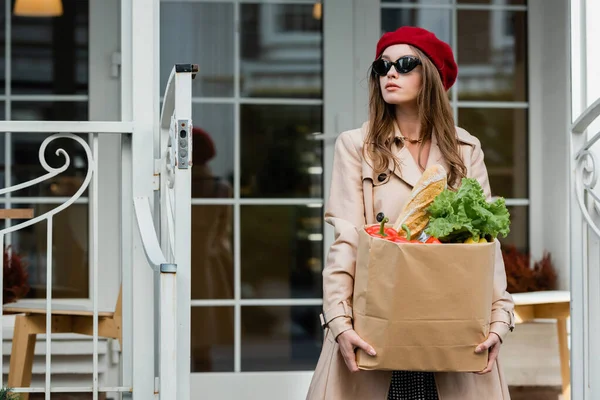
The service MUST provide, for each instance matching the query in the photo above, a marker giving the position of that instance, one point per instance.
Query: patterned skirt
(409, 385)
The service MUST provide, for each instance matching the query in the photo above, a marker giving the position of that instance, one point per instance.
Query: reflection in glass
(281, 51)
(2, 48)
(281, 338)
(26, 165)
(49, 111)
(519, 229)
(282, 250)
(70, 269)
(2, 161)
(50, 55)
(212, 174)
(212, 339)
(432, 2)
(494, 2)
(212, 252)
(438, 21)
(504, 139)
(280, 157)
(492, 55)
(199, 33)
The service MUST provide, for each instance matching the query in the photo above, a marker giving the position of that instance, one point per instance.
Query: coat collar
(409, 170)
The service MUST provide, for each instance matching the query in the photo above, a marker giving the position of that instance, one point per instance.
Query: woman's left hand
(493, 343)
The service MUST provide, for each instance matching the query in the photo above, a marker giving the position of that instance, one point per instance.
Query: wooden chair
(29, 322)
(552, 304)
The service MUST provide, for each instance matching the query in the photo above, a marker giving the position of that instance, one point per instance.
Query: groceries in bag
(427, 307)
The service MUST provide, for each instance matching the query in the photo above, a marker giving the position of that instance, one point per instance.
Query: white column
(592, 93)
(183, 242)
(585, 246)
(145, 113)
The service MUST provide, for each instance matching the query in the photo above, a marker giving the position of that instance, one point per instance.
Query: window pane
(492, 55)
(212, 174)
(279, 157)
(26, 165)
(212, 252)
(49, 111)
(2, 161)
(281, 338)
(282, 251)
(418, 1)
(2, 48)
(50, 55)
(212, 339)
(438, 21)
(504, 139)
(281, 51)
(495, 2)
(199, 33)
(70, 268)
(2, 149)
(519, 229)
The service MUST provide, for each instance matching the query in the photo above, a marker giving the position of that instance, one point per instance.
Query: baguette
(414, 215)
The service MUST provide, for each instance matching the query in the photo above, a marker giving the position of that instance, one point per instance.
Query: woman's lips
(392, 86)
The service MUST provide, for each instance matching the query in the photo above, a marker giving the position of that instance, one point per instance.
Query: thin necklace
(411, 141)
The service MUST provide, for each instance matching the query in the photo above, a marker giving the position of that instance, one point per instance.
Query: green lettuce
(456, 216)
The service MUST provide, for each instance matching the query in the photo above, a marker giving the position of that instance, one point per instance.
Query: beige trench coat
(357, 194)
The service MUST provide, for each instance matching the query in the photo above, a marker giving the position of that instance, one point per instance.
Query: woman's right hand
(349, 341)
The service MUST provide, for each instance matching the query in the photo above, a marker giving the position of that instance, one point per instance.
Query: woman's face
(399, 88)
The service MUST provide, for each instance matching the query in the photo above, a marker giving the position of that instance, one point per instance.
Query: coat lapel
(409, 171)
(435, 155)
(407, 168)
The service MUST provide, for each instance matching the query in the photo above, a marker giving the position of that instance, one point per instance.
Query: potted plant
(6, 394)
(15, 277)
(521, 276)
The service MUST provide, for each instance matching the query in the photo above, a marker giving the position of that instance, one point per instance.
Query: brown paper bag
(423, 307)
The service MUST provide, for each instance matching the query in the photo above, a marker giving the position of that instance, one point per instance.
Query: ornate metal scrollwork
(586, 162)
(51, 173)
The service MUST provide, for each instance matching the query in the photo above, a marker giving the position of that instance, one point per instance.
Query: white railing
(585, 258)
(167, 252)
(64, 130)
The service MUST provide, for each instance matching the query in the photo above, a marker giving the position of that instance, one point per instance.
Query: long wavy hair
(435, 114)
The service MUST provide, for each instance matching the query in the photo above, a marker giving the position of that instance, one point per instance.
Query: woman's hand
(349, 341)
(493, 343)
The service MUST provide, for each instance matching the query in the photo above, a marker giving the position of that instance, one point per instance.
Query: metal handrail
(101, 127)
(168, 298)
(143, 213)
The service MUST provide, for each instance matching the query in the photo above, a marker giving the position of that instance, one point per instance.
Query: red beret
(438, 51)
(203, 146)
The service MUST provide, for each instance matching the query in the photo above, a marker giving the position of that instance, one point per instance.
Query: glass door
(258, 190)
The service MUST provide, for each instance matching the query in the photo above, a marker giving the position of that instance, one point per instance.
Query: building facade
(277, 82)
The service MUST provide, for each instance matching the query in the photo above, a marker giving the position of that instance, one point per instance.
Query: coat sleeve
(345, 212)
(502, 320)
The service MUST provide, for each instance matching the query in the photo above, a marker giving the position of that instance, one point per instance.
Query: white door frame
(139, 104)
(585, 243)
(349, 33)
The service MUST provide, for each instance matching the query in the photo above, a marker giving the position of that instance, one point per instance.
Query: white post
(170, 382)
(585, 235)
(592, 281)
(183, 242)
(145, 101)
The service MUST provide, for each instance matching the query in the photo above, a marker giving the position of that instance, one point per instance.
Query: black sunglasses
(403, 65)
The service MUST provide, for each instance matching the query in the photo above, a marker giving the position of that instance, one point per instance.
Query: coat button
(382, 177)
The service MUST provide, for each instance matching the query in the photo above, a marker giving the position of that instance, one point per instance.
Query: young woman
(375, 167)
